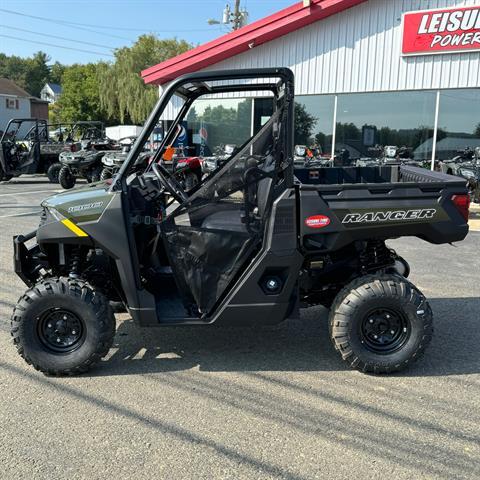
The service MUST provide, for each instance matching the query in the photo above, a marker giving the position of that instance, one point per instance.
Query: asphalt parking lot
(192, 403)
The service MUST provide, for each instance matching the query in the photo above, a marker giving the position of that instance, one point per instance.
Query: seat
(231, 220)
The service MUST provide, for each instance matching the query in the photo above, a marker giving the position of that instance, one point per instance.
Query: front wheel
(380, 324)
(105, 175)
(66, 178)
(62, 326)
(53, 172)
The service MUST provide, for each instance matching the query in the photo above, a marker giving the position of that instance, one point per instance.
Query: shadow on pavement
(296, 345)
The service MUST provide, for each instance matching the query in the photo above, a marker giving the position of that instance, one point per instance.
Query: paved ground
(242, 403)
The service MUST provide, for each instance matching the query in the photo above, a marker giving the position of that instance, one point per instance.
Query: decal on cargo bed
(390, 216)
(317, 221)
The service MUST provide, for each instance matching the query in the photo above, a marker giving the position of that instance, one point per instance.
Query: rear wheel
(53, 172)
(380, 324)
(3, 176)
(66, 178)
(63, 326)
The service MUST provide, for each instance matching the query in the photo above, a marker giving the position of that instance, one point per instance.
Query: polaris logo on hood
(389, 216)
(85, 206)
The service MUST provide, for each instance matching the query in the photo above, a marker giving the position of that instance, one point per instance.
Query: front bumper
(27, 261)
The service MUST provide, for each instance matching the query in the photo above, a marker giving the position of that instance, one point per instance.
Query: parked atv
(249, 245)
(85, 156)
(186, 169)
(26, 148)
(221, 155)
(466, 165)
(113, 160)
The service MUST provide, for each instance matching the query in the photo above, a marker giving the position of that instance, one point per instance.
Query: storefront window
(216, 123)
(368, 122)
(314, 121)
(458, 122)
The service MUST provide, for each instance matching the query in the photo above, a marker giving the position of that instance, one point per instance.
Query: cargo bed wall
(414, 202)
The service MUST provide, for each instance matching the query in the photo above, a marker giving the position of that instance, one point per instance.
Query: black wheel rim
(61, 331)
(384, 330)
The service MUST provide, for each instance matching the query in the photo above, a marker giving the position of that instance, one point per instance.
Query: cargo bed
(380, 202)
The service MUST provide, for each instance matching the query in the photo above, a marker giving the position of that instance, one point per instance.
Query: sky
(100, 26)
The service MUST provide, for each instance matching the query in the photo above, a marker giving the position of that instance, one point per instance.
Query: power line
(54, 45)
(83, 26)
(63, 22)
(58, 37)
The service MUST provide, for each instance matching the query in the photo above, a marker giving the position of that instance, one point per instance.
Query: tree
(304, 124)
(28, 73)
(123, 93)
(56, 72)
(37, 73)
(224, 125)
(80, 99)
(477, 131)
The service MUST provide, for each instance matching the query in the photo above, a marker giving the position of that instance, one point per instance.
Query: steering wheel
(170, 183)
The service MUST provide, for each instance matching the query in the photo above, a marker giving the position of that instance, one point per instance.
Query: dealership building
(368, 73)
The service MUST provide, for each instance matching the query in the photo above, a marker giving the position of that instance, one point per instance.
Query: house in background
(51, 92)
(15, 102)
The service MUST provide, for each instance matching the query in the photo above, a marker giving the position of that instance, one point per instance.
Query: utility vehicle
(220, 156)
(248, 245)
(26, 148)
(113, 160)
(467, 166)
(84, 158)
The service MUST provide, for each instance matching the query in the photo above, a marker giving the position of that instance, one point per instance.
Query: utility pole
(237, 19)
(237, 16)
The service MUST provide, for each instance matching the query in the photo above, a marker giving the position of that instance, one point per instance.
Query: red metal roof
(262, 31)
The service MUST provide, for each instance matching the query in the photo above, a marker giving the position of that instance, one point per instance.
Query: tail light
(462, 202)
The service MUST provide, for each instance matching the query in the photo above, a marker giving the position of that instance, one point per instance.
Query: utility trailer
(251, 244)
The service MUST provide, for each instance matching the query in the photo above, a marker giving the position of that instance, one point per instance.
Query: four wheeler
(186, 169)
(222, 154)
(466, 165)
(85, 157)
(113, 160)
(26, 148)
(249, 245)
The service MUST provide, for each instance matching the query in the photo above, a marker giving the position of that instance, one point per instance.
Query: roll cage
(278, 81)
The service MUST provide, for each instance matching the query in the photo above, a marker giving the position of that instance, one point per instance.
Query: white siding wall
(359, 50)
(6, 114)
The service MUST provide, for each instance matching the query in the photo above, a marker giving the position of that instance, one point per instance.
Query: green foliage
(224, 125)
(476, 133)
(123, 93)
(29, 73)
(304, 124)
(80, 99)
(56, 72)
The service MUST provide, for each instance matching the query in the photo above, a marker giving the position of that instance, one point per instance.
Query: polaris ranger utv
(248, 245)
(26, 148)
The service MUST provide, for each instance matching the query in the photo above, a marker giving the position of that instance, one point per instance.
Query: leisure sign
(441, 31)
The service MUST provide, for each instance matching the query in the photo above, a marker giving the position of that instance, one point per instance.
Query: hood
(82, 204)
